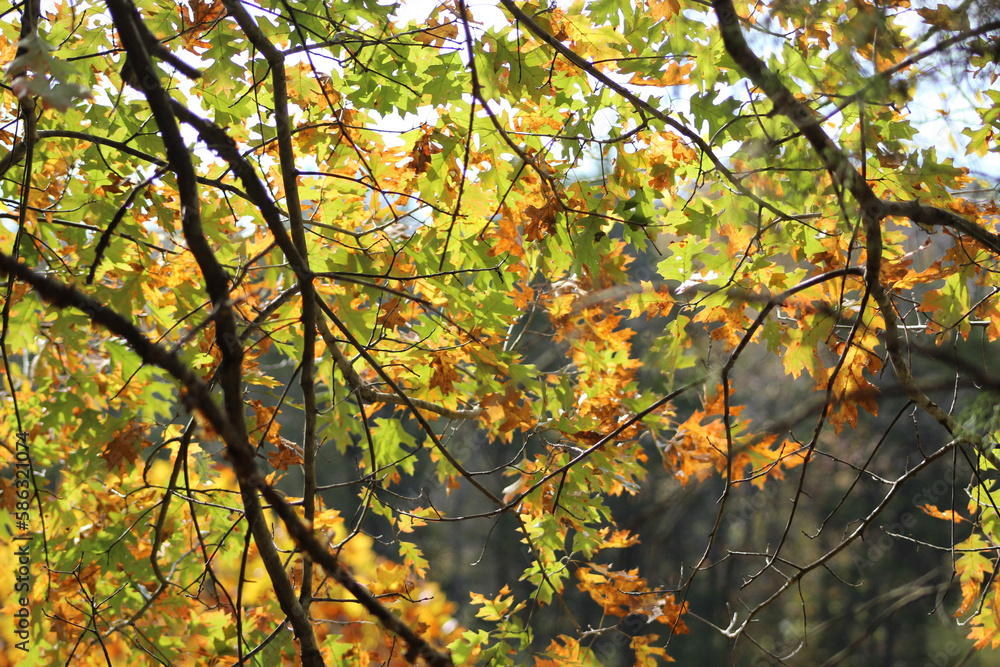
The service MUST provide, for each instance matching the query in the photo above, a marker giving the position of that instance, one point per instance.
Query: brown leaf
(541, 220)
(422, 152)
(389, 315)
(288, 453)
(124, 447)
(444, 376)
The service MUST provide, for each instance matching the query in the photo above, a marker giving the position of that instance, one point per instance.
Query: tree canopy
(362, 333)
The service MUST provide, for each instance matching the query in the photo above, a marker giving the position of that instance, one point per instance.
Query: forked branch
(197, 396)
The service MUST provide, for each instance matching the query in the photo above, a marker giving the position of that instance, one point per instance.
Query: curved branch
(638, 103)
(144, 77)
(290, 181)
(370, 395)
(931, 216)
(220, 143)
(873, 209)
(105, 240)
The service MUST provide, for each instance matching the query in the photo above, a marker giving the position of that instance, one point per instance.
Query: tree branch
(931, 216)
(197, 396)
(371, 395)
(145, 78)
(873, 209)
(290, 180)
(638, 103)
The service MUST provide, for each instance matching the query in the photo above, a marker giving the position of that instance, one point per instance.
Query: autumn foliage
(385, 278)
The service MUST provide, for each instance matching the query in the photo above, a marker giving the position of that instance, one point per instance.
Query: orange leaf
(947, 515)
(664, 9)
(541, 220)
(389, 315)
(673, 75)
(288, 454)
(445, 375)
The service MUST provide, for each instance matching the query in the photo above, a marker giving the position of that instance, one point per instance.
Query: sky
(940, 109)
(933, 94)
